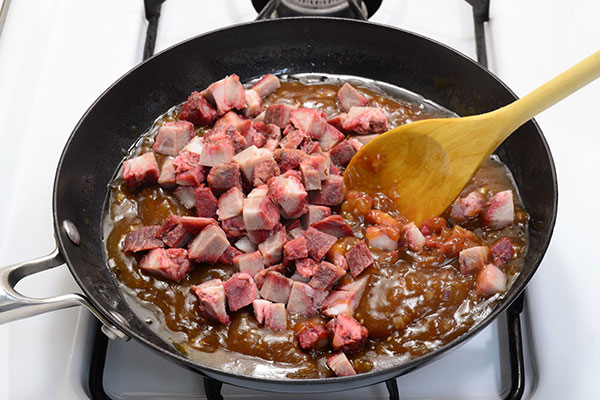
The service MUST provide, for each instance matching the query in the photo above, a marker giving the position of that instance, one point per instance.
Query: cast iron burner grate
(266, 9)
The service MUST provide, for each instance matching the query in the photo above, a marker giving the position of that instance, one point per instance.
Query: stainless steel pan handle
(15, 306)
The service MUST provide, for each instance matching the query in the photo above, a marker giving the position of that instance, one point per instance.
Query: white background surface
(57, 56)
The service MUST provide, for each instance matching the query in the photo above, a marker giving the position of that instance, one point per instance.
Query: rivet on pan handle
(15, 306)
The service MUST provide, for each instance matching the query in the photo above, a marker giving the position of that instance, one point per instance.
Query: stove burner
(320, 8)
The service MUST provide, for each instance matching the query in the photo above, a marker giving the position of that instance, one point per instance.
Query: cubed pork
(228, 256)
(490, 280)
(249, 158)
(172, 137)
(383, 237)
(413, 236)
(273, 137)
(278, 114)
(194, 224)
(259, 306)
(318, 243)
(245, 245)
(333, 225)
(206, 203)
(142, 239)
(310, 121)
(240, 291)
(272, 247)
(254, 105)
(342, 153)
(250, 263)
(259, 212)
(340, 365)
(288, 159)
(349, 97)
(198, 110)
(260, 235)
(331, 193)
(346, 298)
(314, 214)
(231, 119)
(473, 259)
(216, 151)
(304, 300)
(306, 267)
(500, 210)
(467, 207)
(292, 138)
(347, 334)
(187, 168)
(141, 170)
(340, 261)
(259, 278)
(266, 85)
(230, 203)
(359, 258)
(289, 194)
(502, 251)
(295, 249)
(363, 120)
(226, 94)
(275, 316)
(313, 335)
(276, 287)
(211, 300)
(172, 233)
(208, 245)
(311, 178)
(330, 138)
(224, 176)
(234, 227)
(325, 276)
(263, 171)
(172, 264)
(167, 177)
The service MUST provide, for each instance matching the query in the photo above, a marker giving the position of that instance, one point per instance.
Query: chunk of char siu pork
(223, 177)
(263, 171)
(473, 259)
(211, 300)
(228, 256)
(250, 263)
(206, 203)
(171, 264)
(198, 110)
(172, 233)
(363, 120)
(500, 210)
(310, 177)
(295, 229)
(490, 280)
(467, 207)
(347, 334)
(304, 300)
(273, 315)
(289, 194)
(278, 114)
(340, 365)
(230, 204)
(314, 214)
(340, 261)
(258, 236)
(293, 138)
(188, 171)
(413, 236)
(359, 258)
(214, 150)
(326, 275)
(249, 158)
(209, 245)
(333, 225)
(345, 299)
(383, 237)
(502, 251)
(349, 97)
(240, 291)
(288, 159)
(306, 267)
(276, 287)
(260, 277)
(331, 193)
(234, 227)
(266, 85)
(273, 137)
(254, 105)
(226, 94)
(167, 177)
(310, 121)
(245, 245)
(233, 120)
(342, 153)
(330, 138)
(194, 224)
(172, 137)
(142, 239)
(318, 243)
(141, 170)
(259, 212)
(272, 247)
(313, 335)
(259, 306)
(295, 249)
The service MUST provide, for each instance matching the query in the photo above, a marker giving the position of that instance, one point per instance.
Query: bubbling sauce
(414, 302)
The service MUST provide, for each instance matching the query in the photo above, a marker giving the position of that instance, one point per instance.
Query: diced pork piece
(194, 224)
(234, 227)
(490, 280)
(172, 233)
(502, 251)
(259, 278)
(313, 335)
(363, 120)
(231, 119)
(318, 243)
(258, 236)
(297, 277)
(342, 153)
(254, 104)
(331, 136)
(276, 316)
(359, 258)
(187, 168)
(364, 139)
(334, 225)
(142, 239)
(340, 365)
(292, 138)
(273, 137)
(259, 307)
(296, 231)
(211, 297)
(349, 97)
(226, 94)
(310, 147)
(209, 245)
(249, 158)
(289, 194)
(331, 193)
(357, 144)
(250, 263)
(326, 275)
(334, 170)
(198, 110)
(310, 121)
(141, 170)
(295, 249)
(224, 176)
(306, 267)
(216, 152)
(245, 245)
(167, 178)
(345, 299)
(315, 214)
(272, 247)
(304, 300)
(172, 137)
(340, 261)
(228, 256)
(338, 121)
(172, 264)
(500, 210)
(240, 290)
(413, 236)
(347, 334)
(467, 207)
(473, 259)
(263, 171)
(206, 203)
(311, 178)
(278, 114)
(230, 203)
(276, 287)
(288, 159)
(383, 237)
(266, 85)
(259, 213)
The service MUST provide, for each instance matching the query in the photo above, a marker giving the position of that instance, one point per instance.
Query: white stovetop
(57, 56)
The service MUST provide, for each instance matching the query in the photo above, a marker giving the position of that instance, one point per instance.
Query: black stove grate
(213, 387)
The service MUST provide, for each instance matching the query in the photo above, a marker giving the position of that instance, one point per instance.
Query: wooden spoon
(424, 165)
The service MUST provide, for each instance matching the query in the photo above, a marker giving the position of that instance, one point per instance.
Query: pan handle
(15, 306)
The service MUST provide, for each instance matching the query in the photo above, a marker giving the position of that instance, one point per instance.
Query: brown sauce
(414, 303)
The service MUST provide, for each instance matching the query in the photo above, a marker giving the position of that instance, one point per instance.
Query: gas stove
(57, 57)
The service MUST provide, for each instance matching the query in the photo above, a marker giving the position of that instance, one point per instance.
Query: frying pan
(292, 45)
